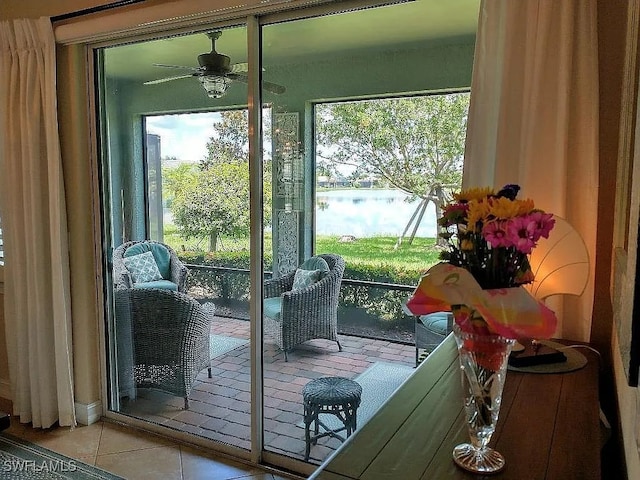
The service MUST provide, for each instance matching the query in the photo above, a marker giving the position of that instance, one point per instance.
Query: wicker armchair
(173, 271)
(293, 317)
(163, 339)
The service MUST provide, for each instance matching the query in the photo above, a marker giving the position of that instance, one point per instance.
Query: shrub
(229, 285)
(361, 305)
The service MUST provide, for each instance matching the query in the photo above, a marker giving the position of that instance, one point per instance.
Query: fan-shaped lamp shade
(560, 263)
(215, 86)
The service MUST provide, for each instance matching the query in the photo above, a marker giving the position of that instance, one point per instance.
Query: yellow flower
(526, 206)
(478, 212)
(504, 208)
(473, 194)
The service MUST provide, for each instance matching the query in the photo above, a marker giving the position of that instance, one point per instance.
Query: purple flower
(492, 234)
(509, 191)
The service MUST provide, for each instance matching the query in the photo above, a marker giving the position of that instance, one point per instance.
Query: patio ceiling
(406, 26)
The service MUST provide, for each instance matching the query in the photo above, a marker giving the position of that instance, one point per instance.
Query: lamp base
(536, 354)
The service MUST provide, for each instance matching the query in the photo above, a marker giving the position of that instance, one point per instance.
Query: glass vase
(483, 364)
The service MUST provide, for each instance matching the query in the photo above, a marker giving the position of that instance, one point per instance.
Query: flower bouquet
(489, 236)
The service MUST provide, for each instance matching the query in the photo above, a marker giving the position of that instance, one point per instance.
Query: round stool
(334, 395)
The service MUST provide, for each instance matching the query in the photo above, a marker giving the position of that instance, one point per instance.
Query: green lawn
(368, 251)
(380, 250)
(373, 259)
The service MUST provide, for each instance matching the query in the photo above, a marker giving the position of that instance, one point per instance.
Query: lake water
(365, 213)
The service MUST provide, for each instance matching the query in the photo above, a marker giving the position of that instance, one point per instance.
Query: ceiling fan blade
(273, 88)
(239, 67)
(238, 78)
(168, 79)
(268, 86)
(181, 67)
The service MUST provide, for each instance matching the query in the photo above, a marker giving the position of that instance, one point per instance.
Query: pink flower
(544, 224)
(496, 234)
(521, 231)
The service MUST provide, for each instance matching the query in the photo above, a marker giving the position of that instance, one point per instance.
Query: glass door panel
(176, 166)
(383, 56)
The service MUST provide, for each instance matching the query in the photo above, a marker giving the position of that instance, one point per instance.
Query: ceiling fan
(215, 72)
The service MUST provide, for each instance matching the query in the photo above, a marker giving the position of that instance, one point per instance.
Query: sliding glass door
(176, 189)
(215, 148)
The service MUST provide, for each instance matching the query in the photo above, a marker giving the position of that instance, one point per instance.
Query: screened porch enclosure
(315, 70)
(176, 169)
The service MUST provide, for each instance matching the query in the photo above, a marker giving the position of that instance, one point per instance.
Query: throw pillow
(160, 254)
(305, 278)
(316, 263)
(143, 267)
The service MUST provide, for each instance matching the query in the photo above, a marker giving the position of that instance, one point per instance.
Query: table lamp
(560, 263)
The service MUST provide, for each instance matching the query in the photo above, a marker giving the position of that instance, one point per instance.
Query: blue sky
(184, 135)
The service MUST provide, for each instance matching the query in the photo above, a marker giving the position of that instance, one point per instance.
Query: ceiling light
(214, 85)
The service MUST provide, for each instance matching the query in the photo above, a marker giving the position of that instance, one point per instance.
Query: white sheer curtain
(37, 303)
(533, 118)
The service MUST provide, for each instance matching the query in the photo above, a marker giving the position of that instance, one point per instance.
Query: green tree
(211, 199)
(230, 144)
(176, 180)
(216, 204)
(415, 144)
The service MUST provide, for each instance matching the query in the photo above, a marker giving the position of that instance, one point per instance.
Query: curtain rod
(99, 8)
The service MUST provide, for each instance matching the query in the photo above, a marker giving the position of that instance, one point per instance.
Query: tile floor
(136, 455)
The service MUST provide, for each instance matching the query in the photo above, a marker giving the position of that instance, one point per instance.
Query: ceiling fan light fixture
(215, 86)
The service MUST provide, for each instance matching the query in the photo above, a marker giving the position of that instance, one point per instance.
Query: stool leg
(316, 429)
(355, 419)
(351, 415)
(309, 416)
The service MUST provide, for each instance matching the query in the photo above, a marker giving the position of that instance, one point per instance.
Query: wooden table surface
(548, 427)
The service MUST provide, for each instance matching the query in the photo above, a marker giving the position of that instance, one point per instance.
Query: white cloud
(183, 136)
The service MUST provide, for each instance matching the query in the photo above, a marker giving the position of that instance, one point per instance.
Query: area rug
(221, 344)
(378, 382)
(20, 460)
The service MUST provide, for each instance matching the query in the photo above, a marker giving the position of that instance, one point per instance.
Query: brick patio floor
(219, 407)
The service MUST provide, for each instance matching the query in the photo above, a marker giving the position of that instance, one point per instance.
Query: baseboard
(86, 414)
